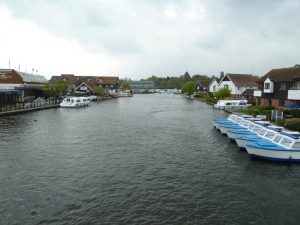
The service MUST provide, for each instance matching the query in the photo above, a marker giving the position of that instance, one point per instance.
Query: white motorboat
(281, 148)
(74, 102)
(231, 104)
(125, 93)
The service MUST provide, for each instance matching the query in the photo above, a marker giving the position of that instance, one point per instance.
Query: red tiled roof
(282, 74)
(243, 79)
(91, 80)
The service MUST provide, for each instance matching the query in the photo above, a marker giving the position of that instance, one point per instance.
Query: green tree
(222, 93)
(188, 88)
(56, 88)
(99, 91)
(125, 86)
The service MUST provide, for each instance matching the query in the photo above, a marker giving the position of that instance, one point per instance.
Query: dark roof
(198, 83)
(248, 92)
(243, 79)
(90, 80)
(27, 77)
(282, 74)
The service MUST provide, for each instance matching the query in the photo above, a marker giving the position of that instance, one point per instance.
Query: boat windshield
(238, 120)
(287, 142)
(246, 123)
(257, 129)
(262, 132)
(270, 135)
(251, 126)
(296, 144)
(277, 138)
(241, 122)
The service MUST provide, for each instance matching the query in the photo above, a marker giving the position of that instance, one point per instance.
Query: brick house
(279, 87)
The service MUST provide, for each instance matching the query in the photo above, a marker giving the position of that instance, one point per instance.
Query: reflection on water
(150, 159)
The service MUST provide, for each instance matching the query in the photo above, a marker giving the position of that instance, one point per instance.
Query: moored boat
(74, 102)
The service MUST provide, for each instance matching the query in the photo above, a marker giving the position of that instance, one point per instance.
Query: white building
(238, 83)
(213, 86)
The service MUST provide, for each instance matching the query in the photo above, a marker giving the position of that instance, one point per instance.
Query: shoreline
(17, 111)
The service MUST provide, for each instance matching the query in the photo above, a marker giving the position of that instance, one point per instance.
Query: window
(282, 86)
(296, 145)
(226, 86)
(286, 142)
(296, 85)
(269, 135)
(214, 88)
(277, 139)
(262, 132)
(267, 85)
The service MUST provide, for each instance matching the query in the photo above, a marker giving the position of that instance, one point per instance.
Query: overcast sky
(139, 38)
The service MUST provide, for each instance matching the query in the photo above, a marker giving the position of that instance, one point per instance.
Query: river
(149, 159)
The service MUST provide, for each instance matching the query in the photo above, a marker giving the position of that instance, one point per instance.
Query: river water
(149, 159)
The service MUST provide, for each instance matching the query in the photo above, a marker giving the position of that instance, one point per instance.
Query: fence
(23, 105)
(276, 115)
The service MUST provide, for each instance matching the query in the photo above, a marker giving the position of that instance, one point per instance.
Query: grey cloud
(234, 35)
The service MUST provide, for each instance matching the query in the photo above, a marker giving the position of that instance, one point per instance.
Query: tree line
(179, 81)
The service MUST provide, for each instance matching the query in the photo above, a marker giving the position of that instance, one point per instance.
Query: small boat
(263, 134)
(74, 102)
(232, 104)
(125, 93)
(281, 148)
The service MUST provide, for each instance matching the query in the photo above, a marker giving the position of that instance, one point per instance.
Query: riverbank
(38, 108)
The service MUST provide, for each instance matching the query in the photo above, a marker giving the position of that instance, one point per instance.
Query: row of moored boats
(260, 138)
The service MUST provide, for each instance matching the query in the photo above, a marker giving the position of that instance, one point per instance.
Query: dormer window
(267, 85)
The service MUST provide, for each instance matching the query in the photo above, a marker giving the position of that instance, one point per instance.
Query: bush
(212, 100)
(258, 110)
(292, 124)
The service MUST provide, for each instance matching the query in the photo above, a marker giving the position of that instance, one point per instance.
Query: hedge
(292, 124)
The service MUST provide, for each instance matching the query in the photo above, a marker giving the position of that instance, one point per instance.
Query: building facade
(142, 86)
(279, 87)
(238, 83)
(16, 86)
(88, 84)
(213, 86)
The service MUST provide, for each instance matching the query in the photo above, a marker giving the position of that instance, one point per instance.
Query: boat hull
(232, 135)
(241, 143)
(274, 155)
(223, 130)
(69, 105)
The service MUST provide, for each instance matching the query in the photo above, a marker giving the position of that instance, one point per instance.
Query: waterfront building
(88, 84)
(142, 86)
(16, 86)
(213, 86)
(201, 86)
(279, 87)
(238, 83)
